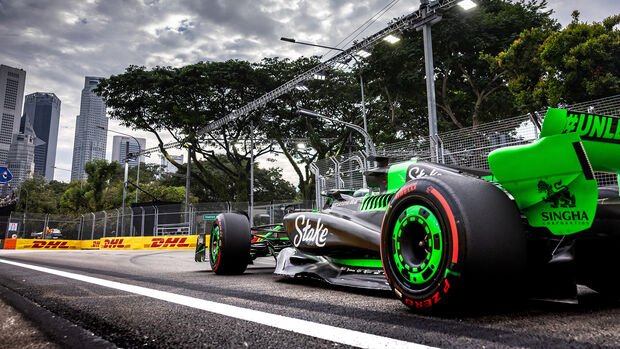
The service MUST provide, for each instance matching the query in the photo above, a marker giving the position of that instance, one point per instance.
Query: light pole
(187, 181)
(292, 40)
(127, 161)
(430, 15)
(370, 145)
(251, 174)
(367, 139)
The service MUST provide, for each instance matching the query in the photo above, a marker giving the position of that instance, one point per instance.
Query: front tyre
(229, 248)
(450, 240)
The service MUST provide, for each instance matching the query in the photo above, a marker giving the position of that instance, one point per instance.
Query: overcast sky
(58, 42)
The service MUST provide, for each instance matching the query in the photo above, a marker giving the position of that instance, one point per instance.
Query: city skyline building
(167, 166)
(20, 159)
(123, 145)
(91, 129)
(12, 83)
(43, 110)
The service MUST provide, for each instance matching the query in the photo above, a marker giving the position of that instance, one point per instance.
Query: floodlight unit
(363, 53)
(392, 39)
(405, 22)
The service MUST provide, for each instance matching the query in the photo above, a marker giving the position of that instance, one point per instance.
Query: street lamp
(367, 138)
(127, 163)
(429, 16)
(360, 53)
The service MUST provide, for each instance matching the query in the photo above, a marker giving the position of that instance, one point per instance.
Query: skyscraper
(43, 109)
(91, 128)
(121, 146)
(12, 81)
(20, 160)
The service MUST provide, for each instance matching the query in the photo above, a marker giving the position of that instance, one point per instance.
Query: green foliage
(336, 96)
(99, 172)
(181, 101)
(469, 90)
(38, 195)
(164, 193)
(270, 186)
(579, 63)
(73, 200)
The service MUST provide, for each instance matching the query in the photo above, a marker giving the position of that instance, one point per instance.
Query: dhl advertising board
(30, 244)
(118, 243)
(91, 244)
(149, 243)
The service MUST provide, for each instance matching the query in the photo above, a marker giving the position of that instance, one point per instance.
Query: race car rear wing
(552, 179)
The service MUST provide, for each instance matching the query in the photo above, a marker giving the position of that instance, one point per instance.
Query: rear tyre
(229, 248)
(452, 240)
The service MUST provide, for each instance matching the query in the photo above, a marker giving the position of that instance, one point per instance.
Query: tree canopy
(103, 190)
(546, 67)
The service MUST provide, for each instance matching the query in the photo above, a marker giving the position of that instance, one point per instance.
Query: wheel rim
(418, 245)
(215, 244)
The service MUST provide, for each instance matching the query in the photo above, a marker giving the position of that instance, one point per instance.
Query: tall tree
(99, 172)
(335, 93)
(468, 90)
(579, 63)
(38, 195)
(73, 200)
(178, 102)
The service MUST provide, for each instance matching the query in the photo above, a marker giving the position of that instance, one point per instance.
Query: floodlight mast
(405, 22)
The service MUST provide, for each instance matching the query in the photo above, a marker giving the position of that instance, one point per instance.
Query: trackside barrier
(91, 244)
(149, 243)
(125, 243)
(35, 244)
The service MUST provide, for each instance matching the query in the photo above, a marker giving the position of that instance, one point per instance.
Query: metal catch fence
(151, 220)
(466, 147)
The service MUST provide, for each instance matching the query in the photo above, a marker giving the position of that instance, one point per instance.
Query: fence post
(8, 224)
(155, 220)
(43, 230)
(317, 184)
(131, 223)
(192, 216)
(118, 216)
(23, 224)
(337, 171)
(80, 237)
(364, 169)
(92, 231)
(142, 227)
(105, 222)
(271, 212)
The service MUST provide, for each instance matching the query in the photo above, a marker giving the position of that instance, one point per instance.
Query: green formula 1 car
(440, 236)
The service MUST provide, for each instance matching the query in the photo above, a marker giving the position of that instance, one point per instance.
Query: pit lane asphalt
(130, 321)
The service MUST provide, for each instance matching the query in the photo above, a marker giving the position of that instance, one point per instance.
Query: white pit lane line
(308, 328)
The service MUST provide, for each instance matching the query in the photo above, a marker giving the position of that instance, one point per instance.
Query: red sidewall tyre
(229, 250)
(481, 243)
